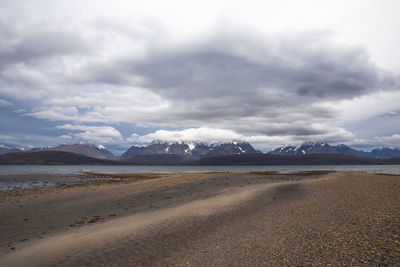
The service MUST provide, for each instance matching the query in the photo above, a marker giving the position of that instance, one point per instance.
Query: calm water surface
(74, 169)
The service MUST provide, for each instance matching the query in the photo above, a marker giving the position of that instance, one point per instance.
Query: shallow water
(25, 185)
(76, 169)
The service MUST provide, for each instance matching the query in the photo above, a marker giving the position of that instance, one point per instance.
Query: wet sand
(206, 219)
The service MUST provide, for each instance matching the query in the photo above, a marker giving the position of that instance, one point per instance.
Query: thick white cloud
(393, 140)
(132, 105)
(199, 134)
(369, 106)
(93, 134)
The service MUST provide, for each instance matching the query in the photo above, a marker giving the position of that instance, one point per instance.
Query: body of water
(76, 169)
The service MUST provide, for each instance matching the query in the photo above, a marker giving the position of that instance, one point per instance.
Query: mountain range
(190, 150)
(187, 152)
(309, 148)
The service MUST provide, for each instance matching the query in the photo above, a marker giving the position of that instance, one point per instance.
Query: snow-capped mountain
(305, 148)
(181, 152)
(99, 152)
(318, 148)
(190, 149)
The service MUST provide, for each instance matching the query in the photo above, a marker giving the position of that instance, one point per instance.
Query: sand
(206, 219)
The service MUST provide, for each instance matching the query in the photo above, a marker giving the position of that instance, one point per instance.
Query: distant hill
(5, 150)
(311, 159)
(67, 158)
(52, 158)
(385, 153)
(132, 151)
(88, 150)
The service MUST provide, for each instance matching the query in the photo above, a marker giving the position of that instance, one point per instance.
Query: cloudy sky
(119, 73)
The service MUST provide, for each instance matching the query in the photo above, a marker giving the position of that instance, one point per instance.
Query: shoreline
(20, 183)
(45, 219)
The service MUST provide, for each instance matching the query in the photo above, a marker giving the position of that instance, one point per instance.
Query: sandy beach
(206, 219)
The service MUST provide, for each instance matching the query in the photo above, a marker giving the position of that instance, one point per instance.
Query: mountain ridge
(99, 152)
(80, 148)
(62, 158)
(190, 150)
(319, 147)
(186, 151)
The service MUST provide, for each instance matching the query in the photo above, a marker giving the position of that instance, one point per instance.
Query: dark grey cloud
(25, 43)
(32, 55)
(217, 68)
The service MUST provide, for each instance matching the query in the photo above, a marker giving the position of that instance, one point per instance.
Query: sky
(120, 73)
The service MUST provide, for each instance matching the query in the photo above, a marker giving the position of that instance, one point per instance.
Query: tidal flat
(205, 219)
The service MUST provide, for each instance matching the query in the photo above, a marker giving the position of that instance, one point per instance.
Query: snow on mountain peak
(190, 143)
(191, 146)
(313, 144)
(101, 147)
(26, 148)
(234, 142)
